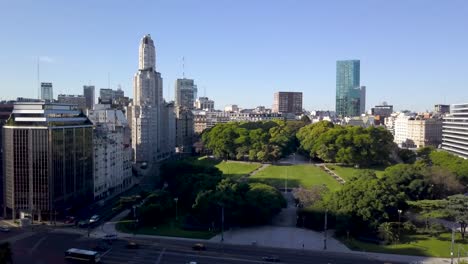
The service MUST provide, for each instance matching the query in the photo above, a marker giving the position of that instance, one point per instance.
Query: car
(83, 223)
(199, 247)
(192, 262)
(271, 259)
(94, 219)
(70, 220)
(110, 237)
(132, 245)
(4, 229)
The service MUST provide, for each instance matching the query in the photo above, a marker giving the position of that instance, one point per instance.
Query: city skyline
(407, 50)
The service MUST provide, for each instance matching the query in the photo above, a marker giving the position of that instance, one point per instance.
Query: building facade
(146, 111)
(6, 108)
(185, 93)
(88, 93)
(50, 167)
(441, 108)
(380, 112)
(348, 89)
(417, 131)
(287, 102)
(203, 103)
(112, 151)
(47, 92)
(78, 100)
(455, 130)
(184, 130)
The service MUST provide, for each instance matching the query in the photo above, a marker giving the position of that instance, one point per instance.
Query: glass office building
(348, 89)
(49, 160)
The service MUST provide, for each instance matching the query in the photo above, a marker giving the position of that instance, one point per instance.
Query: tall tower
(348, 91)
(147, 103)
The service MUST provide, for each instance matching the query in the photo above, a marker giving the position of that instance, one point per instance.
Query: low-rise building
(203, 103)
(417, 131)
(112, 151)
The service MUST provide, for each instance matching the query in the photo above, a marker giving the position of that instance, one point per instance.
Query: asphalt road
(44, 246)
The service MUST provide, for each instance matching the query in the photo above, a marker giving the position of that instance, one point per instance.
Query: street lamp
(325, 231)
(399, 223)
(176, 213)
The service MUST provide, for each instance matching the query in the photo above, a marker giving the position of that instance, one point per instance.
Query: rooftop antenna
(183, 67)
(38, 81)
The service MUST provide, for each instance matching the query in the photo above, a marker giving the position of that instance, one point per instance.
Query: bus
(82, 255)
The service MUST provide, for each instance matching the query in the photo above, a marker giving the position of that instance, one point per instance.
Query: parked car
(110, 237)
(4, 229)
(132, 245)
(94, 219)
(199, 247)
(83, 223)
(70, 220)
(271, 259)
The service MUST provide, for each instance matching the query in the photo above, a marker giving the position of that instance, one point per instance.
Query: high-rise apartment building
(47, 92)
(380, 112)
(145, 111)
(88, 93)
(287, 102)
(109, 96)
(50, 164)
(455, 130)
(349, 93)
(185, 93)
(78, 100)
(112, 151)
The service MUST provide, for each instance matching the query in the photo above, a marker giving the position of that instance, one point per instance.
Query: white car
(93, 219)
(4, 229)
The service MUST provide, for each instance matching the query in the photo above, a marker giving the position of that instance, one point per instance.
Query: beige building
(417, 132)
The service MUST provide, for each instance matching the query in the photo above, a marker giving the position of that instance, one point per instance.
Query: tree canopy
(351, 145)
(255, 141)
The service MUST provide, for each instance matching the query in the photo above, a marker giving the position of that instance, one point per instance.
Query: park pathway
(252, 173)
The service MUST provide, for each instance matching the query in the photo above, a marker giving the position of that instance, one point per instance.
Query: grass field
(297, 175)
(419, 245)
(347, 172)
(230, 168)
(169, 229)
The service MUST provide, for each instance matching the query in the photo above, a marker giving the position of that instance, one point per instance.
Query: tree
(6, 255)
(387, 232)
(307, 197)
(366, 201)
(458, 209)
(407, 156)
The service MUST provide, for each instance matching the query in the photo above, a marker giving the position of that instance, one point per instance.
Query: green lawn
(297, 175)
(347, 172)
(170, 229)
(419, 245)
(230, 168)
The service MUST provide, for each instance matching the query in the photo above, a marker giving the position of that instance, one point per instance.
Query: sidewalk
(276, 237)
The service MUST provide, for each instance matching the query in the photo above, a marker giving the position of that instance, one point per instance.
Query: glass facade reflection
(348, 92)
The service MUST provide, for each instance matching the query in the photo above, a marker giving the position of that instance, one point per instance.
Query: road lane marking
(160, 256)
(37, 245)
(212, 257)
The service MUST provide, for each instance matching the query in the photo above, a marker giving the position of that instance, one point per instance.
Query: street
(47, 246)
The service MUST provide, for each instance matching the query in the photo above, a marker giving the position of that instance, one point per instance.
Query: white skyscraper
(146, 107)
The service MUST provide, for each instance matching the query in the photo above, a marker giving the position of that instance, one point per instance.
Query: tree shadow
(276, 182)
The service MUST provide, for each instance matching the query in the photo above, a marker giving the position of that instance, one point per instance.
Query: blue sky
(414, 53)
